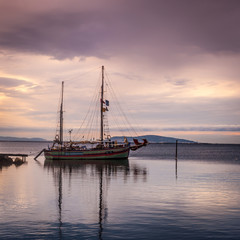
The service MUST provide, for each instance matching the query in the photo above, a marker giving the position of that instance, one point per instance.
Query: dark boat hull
(95, 154)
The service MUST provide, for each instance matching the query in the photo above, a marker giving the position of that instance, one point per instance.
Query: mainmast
(61, 118)
(101, 106)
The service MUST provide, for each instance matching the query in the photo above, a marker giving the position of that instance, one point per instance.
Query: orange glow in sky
(170, 67)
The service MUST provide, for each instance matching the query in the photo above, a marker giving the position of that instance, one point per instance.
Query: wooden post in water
(176, 149)
(176, 160)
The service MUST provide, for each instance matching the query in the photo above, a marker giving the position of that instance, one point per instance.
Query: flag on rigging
(107, 102)
(104, 109)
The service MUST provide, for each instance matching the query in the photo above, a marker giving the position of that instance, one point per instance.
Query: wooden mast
(101, 107)
(61, 118)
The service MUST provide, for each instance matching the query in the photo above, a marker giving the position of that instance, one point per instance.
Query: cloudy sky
(175, 63)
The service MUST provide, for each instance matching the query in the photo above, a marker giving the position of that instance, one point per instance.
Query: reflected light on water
(151, 196)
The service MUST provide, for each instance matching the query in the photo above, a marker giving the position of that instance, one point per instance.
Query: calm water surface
(150, 196)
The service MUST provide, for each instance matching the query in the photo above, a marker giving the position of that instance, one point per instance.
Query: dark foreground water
(150, 196)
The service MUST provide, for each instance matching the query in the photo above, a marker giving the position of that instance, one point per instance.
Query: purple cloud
(11, 82)
(147, 27)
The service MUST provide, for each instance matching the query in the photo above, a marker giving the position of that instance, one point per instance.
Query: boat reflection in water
(101, 170)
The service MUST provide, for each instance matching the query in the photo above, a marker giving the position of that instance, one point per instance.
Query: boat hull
(94, 154)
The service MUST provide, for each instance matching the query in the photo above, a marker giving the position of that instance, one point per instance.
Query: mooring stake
(39, 154)
(176, 149)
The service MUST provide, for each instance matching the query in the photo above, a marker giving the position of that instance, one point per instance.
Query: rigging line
(119, 106)
(115, 119)
(105, 116)
(89, 108)
(86, 123)
(128, 123)
(122, 129)
(77, 76)
(134, 129)
(92, 119)
(116, 98)
(92, 98)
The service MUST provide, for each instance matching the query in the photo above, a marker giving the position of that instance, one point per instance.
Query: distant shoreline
(167, 143)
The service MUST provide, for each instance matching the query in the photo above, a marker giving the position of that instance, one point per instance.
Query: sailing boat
(102, 149)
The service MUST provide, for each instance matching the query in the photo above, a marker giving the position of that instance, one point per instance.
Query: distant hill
(13, 139)
(150, 138)
(154, 139)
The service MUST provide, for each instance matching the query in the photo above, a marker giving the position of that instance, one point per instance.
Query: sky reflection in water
(143, 198)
